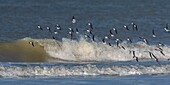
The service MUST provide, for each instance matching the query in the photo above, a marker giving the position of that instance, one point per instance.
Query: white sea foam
(81, 70)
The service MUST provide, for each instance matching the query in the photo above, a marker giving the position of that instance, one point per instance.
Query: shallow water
(82, 61)
(127, 80)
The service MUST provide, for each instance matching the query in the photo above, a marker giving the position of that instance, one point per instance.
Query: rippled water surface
(82, 60)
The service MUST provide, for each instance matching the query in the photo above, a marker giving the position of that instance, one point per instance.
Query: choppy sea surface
(87, 54)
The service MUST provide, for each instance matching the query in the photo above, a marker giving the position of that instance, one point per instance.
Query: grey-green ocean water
(62, 61)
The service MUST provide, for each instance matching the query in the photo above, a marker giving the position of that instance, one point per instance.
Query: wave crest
(83, 50)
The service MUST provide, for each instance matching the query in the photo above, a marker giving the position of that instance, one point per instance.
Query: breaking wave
(39, 70)
(82, 50)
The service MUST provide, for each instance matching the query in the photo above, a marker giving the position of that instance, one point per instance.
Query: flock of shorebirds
(88, 34)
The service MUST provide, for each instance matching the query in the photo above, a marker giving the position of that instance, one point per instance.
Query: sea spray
(83, 50)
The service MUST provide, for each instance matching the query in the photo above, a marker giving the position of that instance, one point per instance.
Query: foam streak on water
(81, 70)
